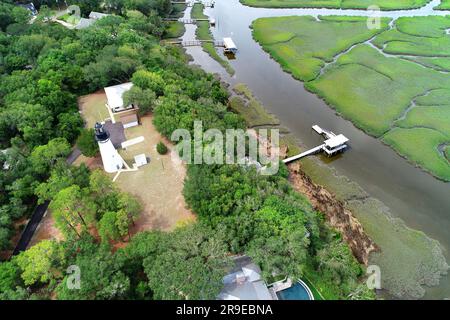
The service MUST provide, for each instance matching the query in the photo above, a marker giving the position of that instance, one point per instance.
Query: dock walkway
(304, 154)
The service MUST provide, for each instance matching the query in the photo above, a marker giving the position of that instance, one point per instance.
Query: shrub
(87, 144)
(161, 148)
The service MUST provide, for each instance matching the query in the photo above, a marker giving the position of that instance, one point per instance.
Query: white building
(112, 161)
(114, 94)
(335, 144)
(229, 45)
(93, 16)
(97, 15)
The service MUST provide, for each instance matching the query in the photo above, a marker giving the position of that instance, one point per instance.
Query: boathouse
(229, 46)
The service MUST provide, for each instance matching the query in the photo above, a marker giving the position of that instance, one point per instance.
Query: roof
(317, 129)
(244, 282)
(229, 44)
(116, 133)
(336, 141)
(97, 15)
(114, 94)
(84, 23)
(29, 6)
(129, 118)
(140, 159)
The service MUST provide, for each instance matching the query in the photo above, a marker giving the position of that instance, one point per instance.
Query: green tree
(69, 125)
(149, 80)
(87, 144)
(337, 263)
(44, 157)
(20, 15)
(73, 210)
(144, 99)
(103, 192)
(62, 176)
(45, 14)
(102, 277)
(36, 262)
(123, 223)
(191, 265)
(9, 276)
(107, 227)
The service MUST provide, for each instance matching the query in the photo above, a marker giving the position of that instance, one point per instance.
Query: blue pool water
(296, 292)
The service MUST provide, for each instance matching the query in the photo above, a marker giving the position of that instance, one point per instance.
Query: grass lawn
(175, 29)
(344, 4)
(158, 184)
(92, 108)
(203, 33)
(368, 87)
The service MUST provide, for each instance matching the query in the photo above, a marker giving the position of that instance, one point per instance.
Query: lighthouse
(112, 161)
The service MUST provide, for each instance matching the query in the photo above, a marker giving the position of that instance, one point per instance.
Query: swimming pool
(298, 291)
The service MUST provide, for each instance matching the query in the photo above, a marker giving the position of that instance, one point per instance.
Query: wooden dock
(206, 4)
(304, 154)
(196, 43)
(185, 20)
(333, 144)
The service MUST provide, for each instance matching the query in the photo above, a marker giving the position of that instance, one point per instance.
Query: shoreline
(338, 216)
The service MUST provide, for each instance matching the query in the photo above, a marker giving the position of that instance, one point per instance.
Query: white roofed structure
(140, 160)
(84, 23)
(114, 94)
(336, 141)
(229, 45)
(97, 15)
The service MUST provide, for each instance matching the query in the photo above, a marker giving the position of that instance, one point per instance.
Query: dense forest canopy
(44, 68)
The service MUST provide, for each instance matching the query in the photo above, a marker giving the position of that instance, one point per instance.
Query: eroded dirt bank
(337, 215)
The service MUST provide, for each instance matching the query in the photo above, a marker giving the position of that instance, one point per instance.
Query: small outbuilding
(114, 95)
(140, 160)
(335, 144)
(84, 23)
(129, 120)
(229, 46)
(97, 15)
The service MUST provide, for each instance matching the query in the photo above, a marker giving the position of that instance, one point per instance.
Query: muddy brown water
(413, 195)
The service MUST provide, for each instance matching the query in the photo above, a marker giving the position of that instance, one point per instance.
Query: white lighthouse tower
(112, 161)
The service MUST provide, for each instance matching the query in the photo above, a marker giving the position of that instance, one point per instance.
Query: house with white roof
(127, 114)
